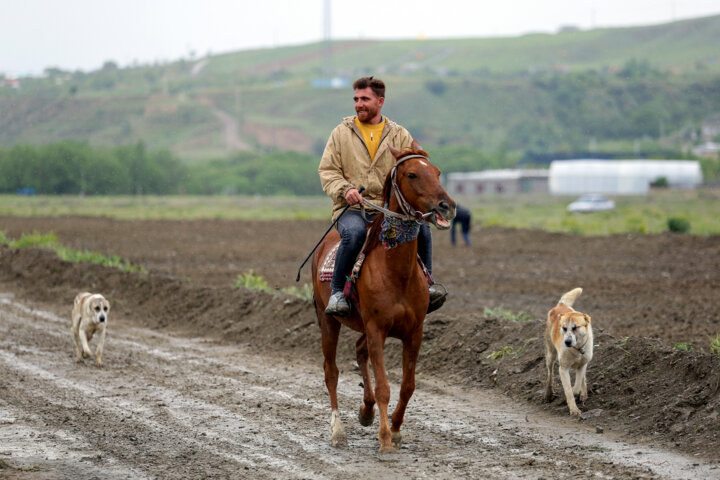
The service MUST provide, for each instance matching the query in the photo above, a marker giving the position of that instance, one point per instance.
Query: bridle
(409, 214)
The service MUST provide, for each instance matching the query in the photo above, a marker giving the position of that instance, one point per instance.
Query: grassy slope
(488, 93)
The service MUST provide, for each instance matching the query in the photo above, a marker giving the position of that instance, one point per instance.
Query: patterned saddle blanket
(328, 265)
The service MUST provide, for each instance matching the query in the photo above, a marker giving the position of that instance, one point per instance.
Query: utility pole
(327, 22)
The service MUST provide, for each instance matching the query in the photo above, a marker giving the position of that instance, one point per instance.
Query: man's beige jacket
(346, 163)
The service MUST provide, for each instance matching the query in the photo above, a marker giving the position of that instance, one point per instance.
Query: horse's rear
(393, 293)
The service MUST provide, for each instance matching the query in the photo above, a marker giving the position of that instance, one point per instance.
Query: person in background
(463, 217)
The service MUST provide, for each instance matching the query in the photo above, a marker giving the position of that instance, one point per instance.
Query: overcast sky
(83, 34)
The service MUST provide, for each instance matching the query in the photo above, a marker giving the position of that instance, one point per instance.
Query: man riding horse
(358, 154)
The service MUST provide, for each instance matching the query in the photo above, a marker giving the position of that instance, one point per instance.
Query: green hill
(621, 89)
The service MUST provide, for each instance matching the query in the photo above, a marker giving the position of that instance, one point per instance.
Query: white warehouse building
(620, 177)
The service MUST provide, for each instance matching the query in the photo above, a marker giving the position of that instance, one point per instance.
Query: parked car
(591, 203)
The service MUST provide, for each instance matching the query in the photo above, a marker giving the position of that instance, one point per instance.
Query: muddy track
(171, 407)
(203, 380)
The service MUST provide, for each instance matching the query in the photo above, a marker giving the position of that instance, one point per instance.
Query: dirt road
(165, 406)
(202, 380)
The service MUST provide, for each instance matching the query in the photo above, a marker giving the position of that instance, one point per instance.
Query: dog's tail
(570, 297)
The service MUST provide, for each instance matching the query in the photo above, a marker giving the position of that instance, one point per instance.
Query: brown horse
(393, 294)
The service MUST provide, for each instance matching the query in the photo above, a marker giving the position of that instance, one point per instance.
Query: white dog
(89, 316)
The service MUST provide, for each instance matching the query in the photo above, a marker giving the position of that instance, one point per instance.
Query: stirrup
(439, 300)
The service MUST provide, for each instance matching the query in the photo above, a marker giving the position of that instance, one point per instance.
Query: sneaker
(437, 298)
(337, 305)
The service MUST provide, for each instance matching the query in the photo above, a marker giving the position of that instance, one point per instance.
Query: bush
(50, 240)
(506, 350)
(678, 225)
(660, 182)
(252, 282)
(715, 344)
(683, 347)
(256, 282)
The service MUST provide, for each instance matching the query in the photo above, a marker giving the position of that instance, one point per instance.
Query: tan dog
(569, 341)
(89, 316)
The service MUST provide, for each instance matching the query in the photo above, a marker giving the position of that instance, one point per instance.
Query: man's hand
(353, 196)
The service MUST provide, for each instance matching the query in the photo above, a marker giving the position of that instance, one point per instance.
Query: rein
(409, 214)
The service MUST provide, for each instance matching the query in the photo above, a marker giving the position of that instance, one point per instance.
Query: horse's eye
(412, 175)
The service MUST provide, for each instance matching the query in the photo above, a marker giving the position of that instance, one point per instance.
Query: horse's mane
(376, 225)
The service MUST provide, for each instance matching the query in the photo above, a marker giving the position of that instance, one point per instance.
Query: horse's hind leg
(367, 409)
(330, 329)
(411, 350)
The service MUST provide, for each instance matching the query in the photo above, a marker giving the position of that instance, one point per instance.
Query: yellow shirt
(371, 134)
(345, 163)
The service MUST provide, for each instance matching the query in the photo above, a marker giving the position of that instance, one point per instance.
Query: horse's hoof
(396, 439)
(366, 419)
(339, 441)
(387, 449)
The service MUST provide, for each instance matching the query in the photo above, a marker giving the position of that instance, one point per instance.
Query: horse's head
(418, 183)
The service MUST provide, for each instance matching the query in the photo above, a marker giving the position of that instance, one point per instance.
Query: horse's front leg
(330, 329)
(376, 346)
(367, 409)
(411, 350)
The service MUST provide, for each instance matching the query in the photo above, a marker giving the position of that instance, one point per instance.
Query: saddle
(327, 267)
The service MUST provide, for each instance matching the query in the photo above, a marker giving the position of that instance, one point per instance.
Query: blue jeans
(352, 230)
(465, 227)
(462, 216)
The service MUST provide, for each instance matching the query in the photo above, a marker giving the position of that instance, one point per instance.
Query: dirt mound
(640, 387)
(652, 286)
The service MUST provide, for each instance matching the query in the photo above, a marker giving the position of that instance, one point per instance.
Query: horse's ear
(415, 145)
(394, 151)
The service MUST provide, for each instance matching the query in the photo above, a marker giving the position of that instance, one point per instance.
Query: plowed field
(203, 380)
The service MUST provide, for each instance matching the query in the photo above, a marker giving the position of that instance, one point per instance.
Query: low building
(620, 177)
(707, 150)
(11, 82)
(497, 182)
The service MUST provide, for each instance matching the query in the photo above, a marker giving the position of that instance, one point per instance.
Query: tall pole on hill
(327, 22)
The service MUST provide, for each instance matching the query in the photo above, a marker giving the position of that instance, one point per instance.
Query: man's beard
(366, 115)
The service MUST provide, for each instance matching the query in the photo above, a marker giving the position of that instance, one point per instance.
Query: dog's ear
(587, 317)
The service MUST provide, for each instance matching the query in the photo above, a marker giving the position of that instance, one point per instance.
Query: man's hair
(377, 85)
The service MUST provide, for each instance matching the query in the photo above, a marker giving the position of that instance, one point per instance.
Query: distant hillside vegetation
(643, 90)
